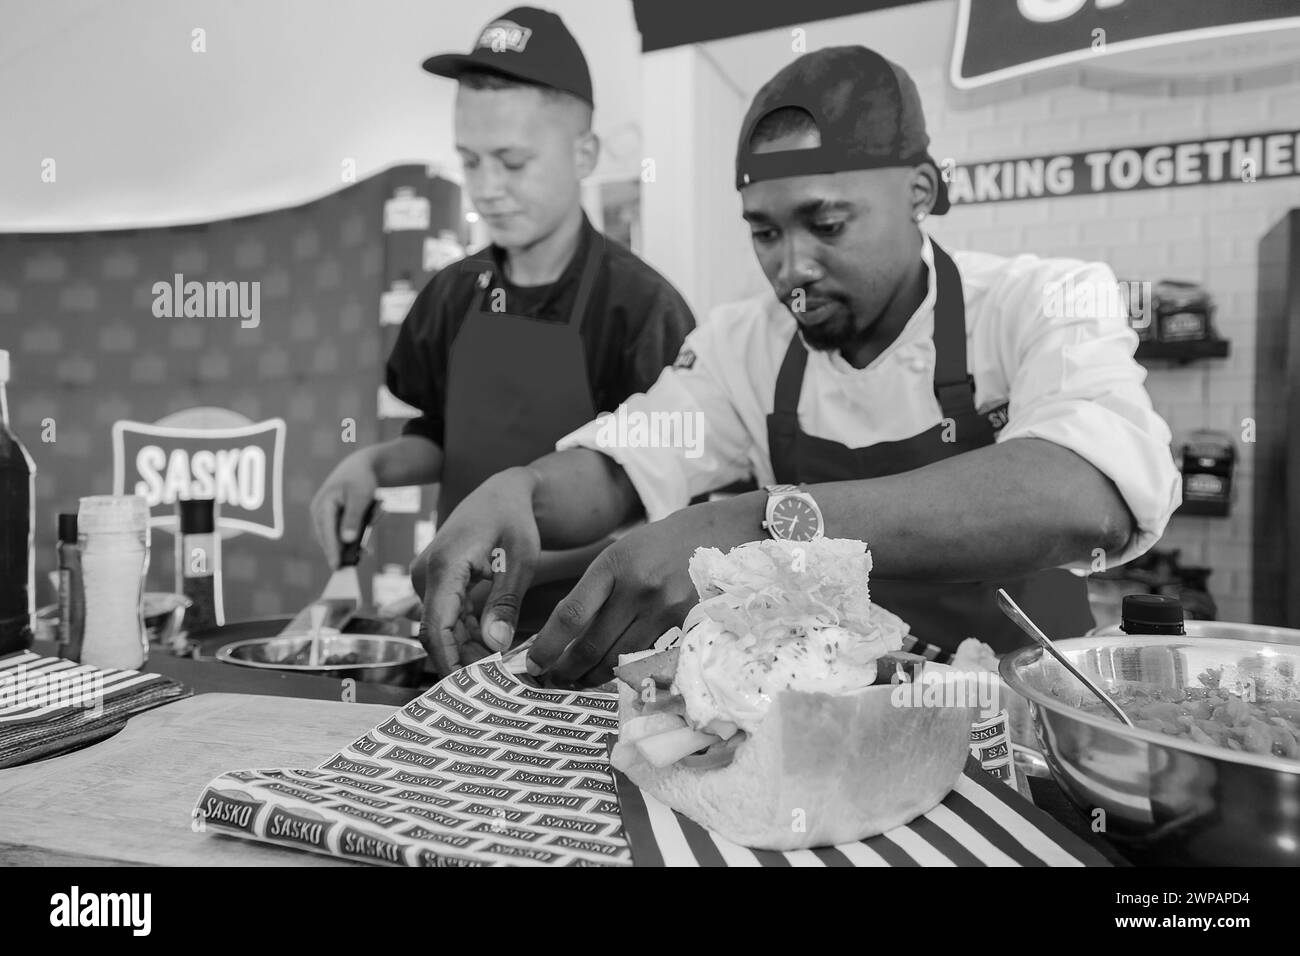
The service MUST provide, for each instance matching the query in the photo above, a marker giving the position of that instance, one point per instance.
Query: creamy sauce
(723, 677)
(774, 616)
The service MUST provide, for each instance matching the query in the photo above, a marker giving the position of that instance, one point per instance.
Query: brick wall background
(1208, 234)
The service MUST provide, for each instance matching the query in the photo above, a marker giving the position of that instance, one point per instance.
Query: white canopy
(144, 131)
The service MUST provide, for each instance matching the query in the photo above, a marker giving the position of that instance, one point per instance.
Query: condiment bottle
(1152, 614)
(198, 563)
(72, 596)
(113, 531)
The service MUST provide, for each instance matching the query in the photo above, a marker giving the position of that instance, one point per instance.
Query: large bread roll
(819, 769)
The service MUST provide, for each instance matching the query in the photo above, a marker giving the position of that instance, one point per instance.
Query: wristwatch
(792, 515)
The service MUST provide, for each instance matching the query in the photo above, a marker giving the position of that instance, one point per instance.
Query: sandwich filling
(774, 616)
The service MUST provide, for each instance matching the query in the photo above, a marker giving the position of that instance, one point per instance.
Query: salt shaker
(113, 532)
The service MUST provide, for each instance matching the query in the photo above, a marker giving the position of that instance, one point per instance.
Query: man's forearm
(569, 563)
(406, 460)
(997, 512)
(579, 497)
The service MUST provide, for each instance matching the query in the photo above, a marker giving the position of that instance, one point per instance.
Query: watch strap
(781, 489)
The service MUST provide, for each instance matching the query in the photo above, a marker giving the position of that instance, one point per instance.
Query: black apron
(515, 386)
(939, 614)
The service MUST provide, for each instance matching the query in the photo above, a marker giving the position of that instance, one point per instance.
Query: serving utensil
(317, 612)
(1012, 610)
(342, 594)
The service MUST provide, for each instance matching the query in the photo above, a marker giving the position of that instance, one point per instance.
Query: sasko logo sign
(1002, 39)
(205, 453)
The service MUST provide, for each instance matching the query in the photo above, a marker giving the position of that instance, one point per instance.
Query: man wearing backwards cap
(925, 403)
(506, 352)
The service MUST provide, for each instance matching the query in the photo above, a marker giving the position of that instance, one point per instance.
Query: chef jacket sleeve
(417, 367)
(682, 437)
(1067, 350)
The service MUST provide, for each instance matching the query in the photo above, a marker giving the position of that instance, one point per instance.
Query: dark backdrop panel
(669, 23)
(76, 316)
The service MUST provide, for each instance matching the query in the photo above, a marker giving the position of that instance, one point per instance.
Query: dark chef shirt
(634, 325)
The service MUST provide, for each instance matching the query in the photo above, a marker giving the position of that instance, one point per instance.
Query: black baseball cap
(527, 44)
(867, 111)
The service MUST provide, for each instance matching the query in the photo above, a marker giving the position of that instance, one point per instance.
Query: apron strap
(789, 380)
(954, 386)
(590, 269)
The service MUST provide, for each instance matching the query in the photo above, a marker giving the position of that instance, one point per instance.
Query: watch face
(794, 519)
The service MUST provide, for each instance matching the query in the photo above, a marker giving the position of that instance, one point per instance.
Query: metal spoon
(1012, 610)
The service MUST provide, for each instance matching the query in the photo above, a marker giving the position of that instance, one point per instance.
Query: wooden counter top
(128, 799)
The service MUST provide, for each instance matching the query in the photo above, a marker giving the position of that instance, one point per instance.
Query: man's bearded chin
(831, 335)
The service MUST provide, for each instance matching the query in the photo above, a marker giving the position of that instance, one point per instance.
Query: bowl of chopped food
(1210, 773)
(372, 658)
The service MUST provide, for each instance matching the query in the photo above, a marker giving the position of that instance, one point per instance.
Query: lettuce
(767, 592)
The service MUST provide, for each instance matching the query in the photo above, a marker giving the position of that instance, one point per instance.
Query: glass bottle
(198, 563)
(72, 596)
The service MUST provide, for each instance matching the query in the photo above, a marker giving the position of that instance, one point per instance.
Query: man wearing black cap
(937, 407)
(509, 350)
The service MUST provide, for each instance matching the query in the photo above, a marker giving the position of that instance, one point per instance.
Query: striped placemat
(49, 705)
(914, 645)
(982, 822)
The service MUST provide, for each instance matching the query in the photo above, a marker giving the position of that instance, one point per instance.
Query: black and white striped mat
(983, 822)
(48, 705)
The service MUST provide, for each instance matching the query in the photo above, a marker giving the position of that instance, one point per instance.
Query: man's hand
(491, 535)
(636, 589)
(349, 488)
(411, 607)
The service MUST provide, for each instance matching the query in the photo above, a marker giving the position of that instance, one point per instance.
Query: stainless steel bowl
(361, 657)
(1166, 800)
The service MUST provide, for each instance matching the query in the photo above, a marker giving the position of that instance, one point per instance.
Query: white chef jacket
(1043, 334)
